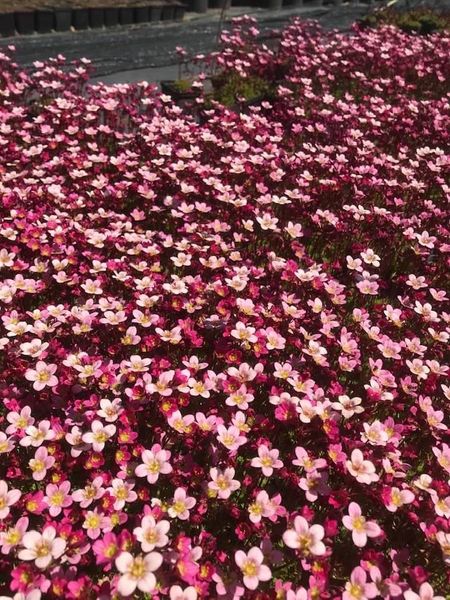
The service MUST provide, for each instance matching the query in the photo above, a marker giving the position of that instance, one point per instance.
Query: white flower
(42, 547)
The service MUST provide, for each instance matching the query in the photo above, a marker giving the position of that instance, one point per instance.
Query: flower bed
(223, 344)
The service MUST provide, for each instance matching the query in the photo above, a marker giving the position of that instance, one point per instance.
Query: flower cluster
(223, 343)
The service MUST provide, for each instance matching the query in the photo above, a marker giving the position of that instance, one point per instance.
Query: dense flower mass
(223, 339)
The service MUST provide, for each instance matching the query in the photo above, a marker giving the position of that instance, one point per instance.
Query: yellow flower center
(249, 568)
(137, 569)
(57, 499)
(359, 523)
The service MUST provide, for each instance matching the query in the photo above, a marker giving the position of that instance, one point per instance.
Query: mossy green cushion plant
(229, 87)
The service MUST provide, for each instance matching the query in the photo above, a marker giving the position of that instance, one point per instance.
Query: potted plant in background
(62, 15)
(96, 14)
(111, 14)
(24, 18)
(7, 23)
(45, 19)
(80, 15)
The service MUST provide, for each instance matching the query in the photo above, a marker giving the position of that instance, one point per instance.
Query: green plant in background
(422, 21)
(229, 87)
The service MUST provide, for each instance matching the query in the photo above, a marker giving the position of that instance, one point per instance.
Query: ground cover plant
(224, 334)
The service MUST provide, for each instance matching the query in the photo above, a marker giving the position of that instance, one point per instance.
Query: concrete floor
(147, 52)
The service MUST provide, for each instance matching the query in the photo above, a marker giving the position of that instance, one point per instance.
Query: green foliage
(421, 21)
(228, 87)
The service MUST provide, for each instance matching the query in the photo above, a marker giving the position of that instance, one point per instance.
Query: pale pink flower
(137, 572)
(19, 421)
(96, 522)
(306, 462)
(122, 492)
(181, 505)
(43, 375)
(12, 537)
(57, 497)
(397, 498)
(223, 483)
(425, 593)
(177, 593)
(358, 588)
(231, 438)
(306, 539)
(360, 528)
(154, 463)
(7, 498)
(152, 534)
(35, 436)
(362, 470)
(251, 565)
(41, 463)
(244, 333)
(267, 460)
(98, 435)
(42, 547)
(92, 491)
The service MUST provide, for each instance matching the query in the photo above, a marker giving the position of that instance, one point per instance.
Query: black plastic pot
(96, 18)
(274, 4)
(170, 87)
(7, 24)
(80, 18)
(44, 21)
(155, 13)
(168, 13)
(111, 17)
(216, 3)
(63, 19)
(141, 14)
(24, 20)
(199, 6)
(126, 15)
(180, 11)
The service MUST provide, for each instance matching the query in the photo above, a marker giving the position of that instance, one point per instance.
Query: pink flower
(152, 534)
(7, 498)
(40, 463)
(362, 470)
(106, 549)
(360, 528)
(42, 376)
(252, 568)
(231, 438)
(57, 497)
(267, 460)
(397, 498)
(122, 492)
(154, 462)
(92, 491)
(181, 505)
(137, 572)
(42, 547)
(358, 588)
(12, 537)
(306, 539)
(177, 593)
(223, 483)
(425, 593)
(99, 435)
